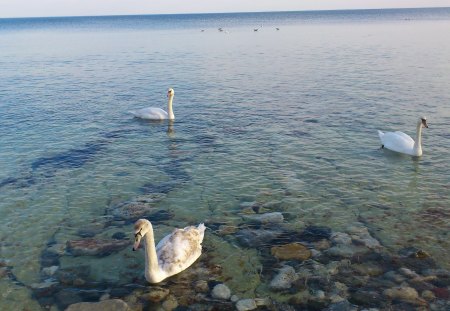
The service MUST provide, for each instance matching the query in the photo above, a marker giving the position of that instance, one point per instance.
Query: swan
(152, 113)
(173, 254)
(403, 143)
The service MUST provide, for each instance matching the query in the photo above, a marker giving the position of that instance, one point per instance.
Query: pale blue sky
(28, 8)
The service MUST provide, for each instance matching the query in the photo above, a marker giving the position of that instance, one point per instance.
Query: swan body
(173, 254)
(403, 143)
(152, 113)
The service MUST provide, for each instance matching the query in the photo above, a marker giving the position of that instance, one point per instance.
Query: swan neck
(151, 259)
(418, 142)
(169, 108)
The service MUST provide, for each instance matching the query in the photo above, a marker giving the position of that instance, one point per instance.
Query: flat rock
(221, 291)
(292, 251)
(105, 305)
(132, 210)
(256, 237)
(96, 247)
(155, 294)
(315, 233)
(284, 279)
(403, 293)
(266, 218)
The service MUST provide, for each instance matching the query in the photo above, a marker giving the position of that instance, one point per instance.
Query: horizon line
(234, 12)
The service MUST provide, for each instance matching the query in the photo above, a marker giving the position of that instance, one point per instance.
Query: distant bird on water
(277, 28)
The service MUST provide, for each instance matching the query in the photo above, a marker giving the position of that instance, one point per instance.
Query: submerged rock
(105, 305)
(132, 211)
(155, 294)
(315, 233)
(403, 293)
(291, 251)
(284, 279)
(95, 247)
(267, 218)
(221, 291)
(256, 238)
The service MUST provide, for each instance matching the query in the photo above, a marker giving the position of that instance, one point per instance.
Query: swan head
(423, 121)
(170, 92)
(141, 228)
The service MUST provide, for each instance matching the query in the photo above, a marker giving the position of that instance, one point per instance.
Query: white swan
(403, 143)
(174, 253)
(152, 113)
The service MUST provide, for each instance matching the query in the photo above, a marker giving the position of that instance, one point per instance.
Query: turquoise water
(287, 119)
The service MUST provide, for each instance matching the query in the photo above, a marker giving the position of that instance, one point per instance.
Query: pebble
(96, 247)
(221, 291)
(341, 238)
(403, 293)
(201, 286)
(428, 295)
(284, 279)
(246, 304)
(105, 305)
(170, 303)
(155, 294)
(266, 218)
(49, 271)
(292, 251)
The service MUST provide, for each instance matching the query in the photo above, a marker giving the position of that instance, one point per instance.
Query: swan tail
(201, 229)
(133, 112)
(380, 134)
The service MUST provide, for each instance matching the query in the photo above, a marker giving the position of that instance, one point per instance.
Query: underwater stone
(132, 211)
(105, 305)
(95, 247)
(315, 233)
(341, 306)
(341, 238)
(345, 251)
(170, 303)
(428, 295)
(246, 304)
(201, 286)
(256, 238)
(284, 279)
(49, 271)
(267, 218)
(221, 291)
(291, 251)
(403, 293)
(408, 272)
(155, 294)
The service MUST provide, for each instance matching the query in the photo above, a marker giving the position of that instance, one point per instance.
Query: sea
(274, 144)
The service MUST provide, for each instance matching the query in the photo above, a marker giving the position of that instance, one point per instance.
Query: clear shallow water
(284, 118)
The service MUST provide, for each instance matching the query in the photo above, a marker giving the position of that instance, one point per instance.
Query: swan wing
(180, 249)
(150, 113)
(398, 141)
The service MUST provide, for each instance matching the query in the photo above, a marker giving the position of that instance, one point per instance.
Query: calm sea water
(287, 118)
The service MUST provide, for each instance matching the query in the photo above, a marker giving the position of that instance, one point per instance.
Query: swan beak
(424, 123)
(137, 240)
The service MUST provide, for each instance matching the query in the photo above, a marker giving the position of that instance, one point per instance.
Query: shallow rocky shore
(260, 263)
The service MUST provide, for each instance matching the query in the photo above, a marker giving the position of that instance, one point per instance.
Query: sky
(44, 8)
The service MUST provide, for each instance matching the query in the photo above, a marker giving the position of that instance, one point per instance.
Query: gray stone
(341, 238)
(96, 247)
(221, 291)
(256, 238)
(403, 293)
(246, 304)
(267, 218)
(106, 305)
(284, 279)
(49, 271)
